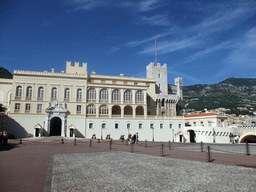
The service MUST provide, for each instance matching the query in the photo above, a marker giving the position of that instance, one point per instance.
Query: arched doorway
(248, 138)
(139, 110)
(116, 110)
(128, 110)
(55, 126)
(192, 136)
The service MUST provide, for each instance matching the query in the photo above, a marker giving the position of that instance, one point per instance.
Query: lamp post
(101, 131)
(172, 135)
(213, 133)
(152, 127)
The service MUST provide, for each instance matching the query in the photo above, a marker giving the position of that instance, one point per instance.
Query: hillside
(230, 93)
(5, 74)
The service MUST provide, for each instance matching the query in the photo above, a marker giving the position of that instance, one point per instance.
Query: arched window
(116, 95)
(67, 93)
(91, 110)
(29, 92)
(92, 93)
(104, 94)
(18, 91)
(40, 92)
(54, 93)
(79, 94)
(139, 96)
(103, 109)
(139, 110)
(128, 95)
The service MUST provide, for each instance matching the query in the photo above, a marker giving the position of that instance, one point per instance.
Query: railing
(17, 98)
(27, 111)
(104, 101)
(91, 100)
(78, 112)
(116, 101)
(128, 102)
(66, 99)
(28, 98)
(78, 100)
(39, 111)
(17, 110)
(40, 98)
(139, 102)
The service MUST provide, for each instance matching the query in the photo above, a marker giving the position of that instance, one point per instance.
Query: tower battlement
(76, 69)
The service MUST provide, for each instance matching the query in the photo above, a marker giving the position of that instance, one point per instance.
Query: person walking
(137, 138)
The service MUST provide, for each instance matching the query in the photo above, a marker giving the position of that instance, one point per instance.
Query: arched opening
(55, 126)
(116, 110)
(249, 139)
(192, 136)
(139, 110)
(163, 102)
(127, 110)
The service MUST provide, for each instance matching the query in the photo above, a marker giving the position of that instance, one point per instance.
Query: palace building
(78, 104)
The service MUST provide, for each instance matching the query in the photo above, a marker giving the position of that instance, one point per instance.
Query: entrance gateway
(56, 119)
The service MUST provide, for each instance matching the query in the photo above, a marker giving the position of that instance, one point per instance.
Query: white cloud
(157, 20)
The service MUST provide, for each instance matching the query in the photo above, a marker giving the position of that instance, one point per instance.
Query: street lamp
(213, 133)
(152, 127)
(172, 135)
(101, 130)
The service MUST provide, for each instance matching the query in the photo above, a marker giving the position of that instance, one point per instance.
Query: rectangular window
(170, 126)
(17, 107)
(194, 123)
(135, 83)
(179, 126)
(128, 126)
(140, 126)
(90, 125)
(116, 125)
(39, 108)
(151, 126)
(161, 126)
(125, 82)
(147, 84)
(202, 124)
(27, 109)
(113, 82)
(78, 109)
(103, 125)
(102, 81)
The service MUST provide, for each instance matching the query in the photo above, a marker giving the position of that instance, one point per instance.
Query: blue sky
(204, 42)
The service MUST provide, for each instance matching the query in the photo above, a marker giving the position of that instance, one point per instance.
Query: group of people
(3, 138)
(132, 139)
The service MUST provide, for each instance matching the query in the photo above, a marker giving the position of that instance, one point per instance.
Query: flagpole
(155, 51)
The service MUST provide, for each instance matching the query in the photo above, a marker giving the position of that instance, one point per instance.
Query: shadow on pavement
(8, 147)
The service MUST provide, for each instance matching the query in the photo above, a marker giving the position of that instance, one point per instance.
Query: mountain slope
(230, 93)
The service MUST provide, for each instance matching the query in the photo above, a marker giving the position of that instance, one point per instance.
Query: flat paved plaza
(47, 164)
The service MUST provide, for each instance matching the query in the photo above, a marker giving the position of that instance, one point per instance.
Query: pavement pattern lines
(122, 171)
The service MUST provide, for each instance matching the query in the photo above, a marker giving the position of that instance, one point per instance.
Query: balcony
(78, 112)
(16, 110)
(104, 101)
(128, 102)
(66, 99)
(78, 100)
(39, 111)
(116, 101)
(40, 98)
(27, 111)
(91, 100)
(17, 98)
(28, 98)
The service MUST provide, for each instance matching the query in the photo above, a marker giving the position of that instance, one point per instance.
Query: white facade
(78, 104)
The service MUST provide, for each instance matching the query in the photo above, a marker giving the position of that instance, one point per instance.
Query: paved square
(122, 171)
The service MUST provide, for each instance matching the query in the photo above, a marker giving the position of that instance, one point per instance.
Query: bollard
(247, 148)
(20, 141)
(162, 149)
(98, 140)
(170, 145)
(202, 147)
(146, 143)
(62, 141)
(90, 143)
(110, 144)
(132, 147)
(75, 141)
(208, 153)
